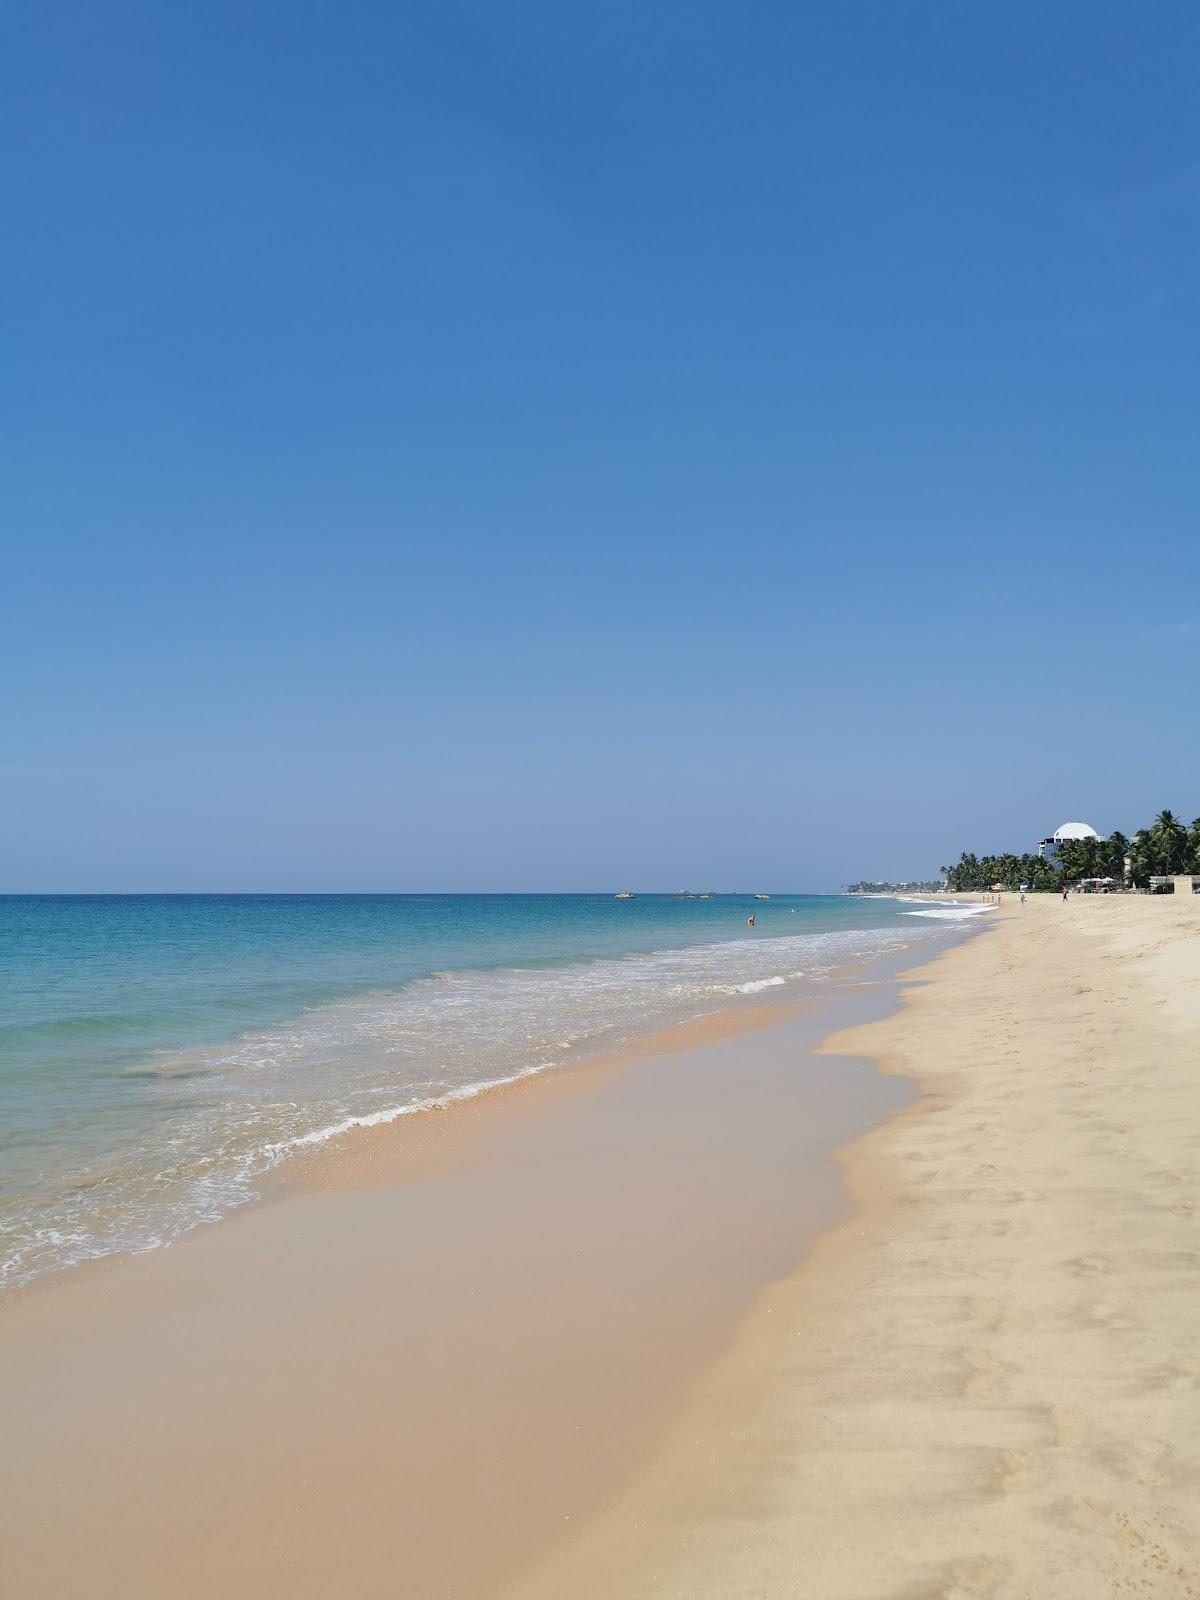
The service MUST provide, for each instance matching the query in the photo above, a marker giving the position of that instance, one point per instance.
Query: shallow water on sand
(158, 1053)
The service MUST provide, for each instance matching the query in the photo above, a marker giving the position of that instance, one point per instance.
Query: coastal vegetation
(1165, 847)
(880, 886)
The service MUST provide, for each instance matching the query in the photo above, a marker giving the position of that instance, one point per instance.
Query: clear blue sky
(543, 446)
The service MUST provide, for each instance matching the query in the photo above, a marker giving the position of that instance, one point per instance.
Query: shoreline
(206, 1133)
(481, 1289)
(423, 1142)
(981, 1385)
(352, 1150)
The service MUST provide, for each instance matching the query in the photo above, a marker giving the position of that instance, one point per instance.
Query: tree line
(882, 886)
(1166, 847)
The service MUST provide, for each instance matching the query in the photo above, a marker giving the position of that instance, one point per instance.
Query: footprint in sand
(1089, 1266)
(1019, 1471)
(1179, 1376)
(1077, 1511)
(1103, 1314)
(986, 1378)
(1147, 1462)
(1068, 1426)
(975, 1578)
(989, 1314)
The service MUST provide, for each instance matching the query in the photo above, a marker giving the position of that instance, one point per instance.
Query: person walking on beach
(1064, 891)
(1022, 897)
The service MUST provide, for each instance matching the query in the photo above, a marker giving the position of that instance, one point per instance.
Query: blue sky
(535, 446)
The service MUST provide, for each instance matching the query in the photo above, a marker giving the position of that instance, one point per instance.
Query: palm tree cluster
(984, 872)
(1164, 848)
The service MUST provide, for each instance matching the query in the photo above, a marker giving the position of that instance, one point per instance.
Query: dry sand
(987, 1382)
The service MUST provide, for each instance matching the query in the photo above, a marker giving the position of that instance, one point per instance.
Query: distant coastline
(884, 887)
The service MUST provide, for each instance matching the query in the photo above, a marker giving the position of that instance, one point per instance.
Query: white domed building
(1069, 830)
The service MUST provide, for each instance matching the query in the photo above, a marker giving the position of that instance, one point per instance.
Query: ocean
(159, 1053)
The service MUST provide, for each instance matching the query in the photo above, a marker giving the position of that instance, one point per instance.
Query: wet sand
(440, 1346)
(985, 1384)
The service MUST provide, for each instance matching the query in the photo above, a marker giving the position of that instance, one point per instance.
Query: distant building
(1069, 830)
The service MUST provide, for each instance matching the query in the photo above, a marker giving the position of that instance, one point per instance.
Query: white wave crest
(949, 913)
(757, 985)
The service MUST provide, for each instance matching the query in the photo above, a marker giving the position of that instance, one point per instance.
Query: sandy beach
(986, 1382)
(624, 1331)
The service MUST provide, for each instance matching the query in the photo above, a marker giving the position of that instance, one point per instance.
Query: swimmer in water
(750, 920)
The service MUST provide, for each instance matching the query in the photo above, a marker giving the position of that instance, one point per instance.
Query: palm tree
(1141, 858)
(1170, 842)
(1115, 849)
(1194, 845)
(1075, 859)
(1008, 870)
(1042, 873)
(966, 874)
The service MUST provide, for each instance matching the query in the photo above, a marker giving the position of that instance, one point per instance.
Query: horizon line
(670, 894)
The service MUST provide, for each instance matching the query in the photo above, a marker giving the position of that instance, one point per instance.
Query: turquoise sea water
(158, 1053)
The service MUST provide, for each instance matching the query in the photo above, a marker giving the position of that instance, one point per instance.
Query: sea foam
(951, 913)
(199, 1125)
